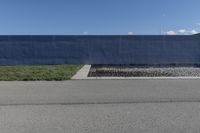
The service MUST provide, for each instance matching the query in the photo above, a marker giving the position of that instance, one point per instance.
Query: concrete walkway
(82, 73)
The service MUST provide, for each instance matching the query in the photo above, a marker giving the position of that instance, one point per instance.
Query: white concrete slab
(82, 73)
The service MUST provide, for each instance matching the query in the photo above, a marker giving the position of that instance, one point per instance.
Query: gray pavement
(101, 118)
(100, 106)
(99, 91)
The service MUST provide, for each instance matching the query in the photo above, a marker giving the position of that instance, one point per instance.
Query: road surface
(100, 106)
(99, 91)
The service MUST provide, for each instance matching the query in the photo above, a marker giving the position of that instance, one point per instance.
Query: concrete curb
(139, 78)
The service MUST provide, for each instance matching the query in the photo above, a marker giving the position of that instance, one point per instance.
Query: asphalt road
(100, 106)
(99, 91)
(102, 118)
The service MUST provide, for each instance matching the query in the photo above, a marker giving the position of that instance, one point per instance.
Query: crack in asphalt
(173, 100)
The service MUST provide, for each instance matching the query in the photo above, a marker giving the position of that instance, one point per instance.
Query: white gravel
(133, 71)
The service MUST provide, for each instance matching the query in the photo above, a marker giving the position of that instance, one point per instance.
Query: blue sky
(77, 17)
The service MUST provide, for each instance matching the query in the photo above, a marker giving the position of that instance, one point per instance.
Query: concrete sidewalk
(82, 73)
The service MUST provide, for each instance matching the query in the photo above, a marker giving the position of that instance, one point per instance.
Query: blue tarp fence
(99, 49)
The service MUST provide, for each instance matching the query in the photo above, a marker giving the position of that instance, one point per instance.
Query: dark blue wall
(99, 50)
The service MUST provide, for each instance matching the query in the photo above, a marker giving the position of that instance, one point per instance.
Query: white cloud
(85, 33)
(193, 32)
(181, 32)
(130, 33)
(170, 32)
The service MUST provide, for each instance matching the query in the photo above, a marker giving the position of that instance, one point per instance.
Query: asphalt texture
(99, 91)
(100, 106)
(109, 118)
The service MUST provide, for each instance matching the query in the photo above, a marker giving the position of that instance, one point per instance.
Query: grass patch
(38, 72)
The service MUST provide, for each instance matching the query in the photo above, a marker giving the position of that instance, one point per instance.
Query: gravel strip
(143, 71)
